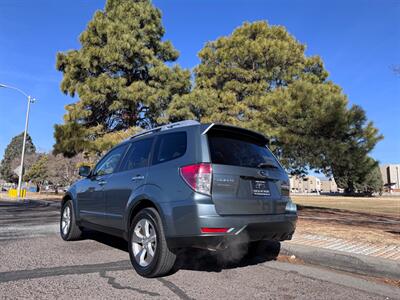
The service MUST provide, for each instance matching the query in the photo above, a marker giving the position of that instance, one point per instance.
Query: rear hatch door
(247, 178)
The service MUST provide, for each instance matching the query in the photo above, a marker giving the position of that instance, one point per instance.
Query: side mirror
(84, 171)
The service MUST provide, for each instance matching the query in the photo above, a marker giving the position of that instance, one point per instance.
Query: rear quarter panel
(164, 184)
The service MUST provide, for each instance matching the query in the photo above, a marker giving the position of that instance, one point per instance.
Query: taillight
(198, 177)
(285, 188)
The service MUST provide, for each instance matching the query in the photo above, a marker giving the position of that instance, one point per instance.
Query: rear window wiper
(266, 165)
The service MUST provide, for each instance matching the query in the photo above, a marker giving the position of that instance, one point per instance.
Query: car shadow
(236, 256)
(106, 239)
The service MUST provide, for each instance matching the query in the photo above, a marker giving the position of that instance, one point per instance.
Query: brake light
(198, 177)
(285, 188)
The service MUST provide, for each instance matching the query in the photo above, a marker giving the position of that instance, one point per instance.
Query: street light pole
(30, 100)
(23, 148)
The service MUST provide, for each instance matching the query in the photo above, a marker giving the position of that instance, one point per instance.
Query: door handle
(137, 177)
(102, 182)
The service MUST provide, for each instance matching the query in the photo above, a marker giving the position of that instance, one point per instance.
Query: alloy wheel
(66, 220)
(144, 242)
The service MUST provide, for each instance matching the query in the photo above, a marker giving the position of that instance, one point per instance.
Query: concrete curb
(359, 264)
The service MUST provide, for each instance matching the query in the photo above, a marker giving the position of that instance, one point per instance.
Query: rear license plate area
(260, 188)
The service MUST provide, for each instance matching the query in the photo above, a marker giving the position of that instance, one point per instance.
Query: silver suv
(182, 185)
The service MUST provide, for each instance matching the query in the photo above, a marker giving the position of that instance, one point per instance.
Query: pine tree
(38, 172)
(13, 152)
(260, 78)
(122, 75)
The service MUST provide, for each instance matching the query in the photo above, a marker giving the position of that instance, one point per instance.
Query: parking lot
(36, 263)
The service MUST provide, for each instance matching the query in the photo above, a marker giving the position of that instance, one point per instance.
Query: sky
(359, 42)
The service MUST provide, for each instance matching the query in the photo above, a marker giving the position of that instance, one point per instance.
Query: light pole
(30, 100)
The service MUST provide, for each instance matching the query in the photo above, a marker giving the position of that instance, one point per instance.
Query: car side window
(170, 146)
(138, 155)
(110, 162)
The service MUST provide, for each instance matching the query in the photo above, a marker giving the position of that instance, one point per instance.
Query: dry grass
(373, 220)
(375, 205)
(45, 196)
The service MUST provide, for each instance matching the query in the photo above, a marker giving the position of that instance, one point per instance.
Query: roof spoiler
(248, 132)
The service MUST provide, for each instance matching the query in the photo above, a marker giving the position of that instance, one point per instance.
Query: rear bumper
(184, 219)
(243, 229)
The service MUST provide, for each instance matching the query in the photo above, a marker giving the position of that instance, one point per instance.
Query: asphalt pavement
(36, 263)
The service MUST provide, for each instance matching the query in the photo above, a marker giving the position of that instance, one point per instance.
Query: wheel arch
(69, 197)
(138, 205)
(66, 198)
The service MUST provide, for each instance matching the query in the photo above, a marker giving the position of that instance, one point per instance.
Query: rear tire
(148, 249)
(69, 230)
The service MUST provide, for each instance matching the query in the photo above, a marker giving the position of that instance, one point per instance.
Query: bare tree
(29, 161)
(58, 170)
(63, 171)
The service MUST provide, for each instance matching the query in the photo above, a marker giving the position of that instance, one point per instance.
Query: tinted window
(169, 146)
(138, 155)
(110, 162)
(227, 148)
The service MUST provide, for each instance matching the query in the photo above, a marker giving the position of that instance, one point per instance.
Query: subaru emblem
(263, 173)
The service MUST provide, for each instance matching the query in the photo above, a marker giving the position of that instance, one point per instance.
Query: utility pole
(30, 100)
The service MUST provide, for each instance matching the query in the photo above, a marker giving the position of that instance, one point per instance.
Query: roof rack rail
(166, 127)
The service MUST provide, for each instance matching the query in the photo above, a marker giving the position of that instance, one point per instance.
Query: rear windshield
(228, 148)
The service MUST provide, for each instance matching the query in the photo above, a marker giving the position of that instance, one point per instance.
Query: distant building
(307, 184)
(329, 186)
(312, 184)
(391, 176)
(296, 184)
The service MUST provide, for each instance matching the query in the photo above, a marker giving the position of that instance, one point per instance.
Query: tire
(71, 231)
(147, 242)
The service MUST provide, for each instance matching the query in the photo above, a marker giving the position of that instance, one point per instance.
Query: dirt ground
(350, 218)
